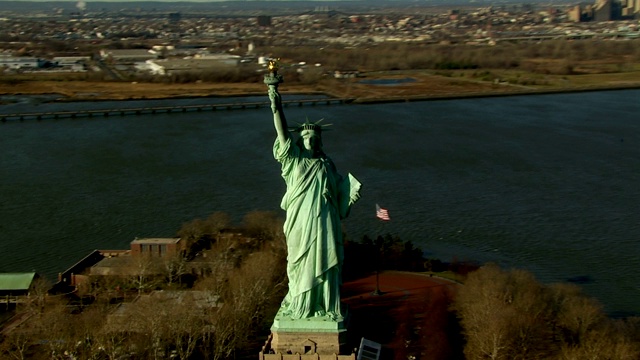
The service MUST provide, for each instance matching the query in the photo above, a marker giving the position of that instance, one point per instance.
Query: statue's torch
(272, 79)
(273, 67)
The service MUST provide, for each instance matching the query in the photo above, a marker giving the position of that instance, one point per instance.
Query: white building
(72, 63)
(173, 66)
(124, 55)
(18, 62)
(70, 60)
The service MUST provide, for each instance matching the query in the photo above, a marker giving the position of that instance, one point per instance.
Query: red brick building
(156, 247)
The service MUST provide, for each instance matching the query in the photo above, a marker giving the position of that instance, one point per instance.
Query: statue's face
(310, 140)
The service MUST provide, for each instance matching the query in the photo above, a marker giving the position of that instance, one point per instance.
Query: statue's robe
(317, 198)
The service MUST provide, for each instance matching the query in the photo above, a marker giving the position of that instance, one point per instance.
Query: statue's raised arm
(273, 79)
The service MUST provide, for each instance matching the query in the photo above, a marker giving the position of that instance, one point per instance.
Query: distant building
(156, 247)
(575, 14)
(198, 63)
(264, 20)
(605, 10)
(16, 284)
(128, 55)
(175, 17)
(73, 63)
(116, 262)
(18, 62)
(633, 7)
(71, 277)
(324, 12)
(346, 74)
(602, 10)
(70, 60)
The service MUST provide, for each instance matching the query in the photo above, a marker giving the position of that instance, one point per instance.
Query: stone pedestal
(318, 335)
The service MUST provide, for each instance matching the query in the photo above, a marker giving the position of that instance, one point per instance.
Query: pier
(73, 114)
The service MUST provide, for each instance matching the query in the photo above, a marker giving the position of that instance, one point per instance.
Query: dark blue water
(548, 183)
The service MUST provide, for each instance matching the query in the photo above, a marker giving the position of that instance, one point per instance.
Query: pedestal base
(318, 335)
(308, 343)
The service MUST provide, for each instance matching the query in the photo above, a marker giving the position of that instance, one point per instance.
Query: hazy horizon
(442, 2)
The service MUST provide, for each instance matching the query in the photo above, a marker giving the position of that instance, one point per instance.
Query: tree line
(507, 314)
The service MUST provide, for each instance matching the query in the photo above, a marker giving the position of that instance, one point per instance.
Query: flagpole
(377, 291)
(383, 216)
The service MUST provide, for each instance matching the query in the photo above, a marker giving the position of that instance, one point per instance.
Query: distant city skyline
(362, 1)
(89, 6)
(99, 1)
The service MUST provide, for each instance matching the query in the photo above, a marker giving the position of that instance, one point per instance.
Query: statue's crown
(315, 126)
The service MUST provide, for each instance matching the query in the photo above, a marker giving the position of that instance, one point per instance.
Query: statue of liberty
(316, 200)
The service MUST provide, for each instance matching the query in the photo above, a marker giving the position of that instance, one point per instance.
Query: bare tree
(481, 307)
(198, 234)
(223, 340)
(187, 325)
(214, 279)
(191, 232)
(246, 297)
(144, 272)
(15, 344)
(54, 329)
(216, 222)
(110, 342)
(576, 314)
(509, 315)
(174, 267)
(605, 343)
(149, 317)
(505, 315)
(38, 294)
(266, 227)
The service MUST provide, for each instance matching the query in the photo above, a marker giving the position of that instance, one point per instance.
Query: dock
(73, 114)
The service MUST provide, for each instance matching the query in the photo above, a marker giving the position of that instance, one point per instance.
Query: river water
(548, 183)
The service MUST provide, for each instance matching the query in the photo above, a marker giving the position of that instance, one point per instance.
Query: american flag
(382, 214)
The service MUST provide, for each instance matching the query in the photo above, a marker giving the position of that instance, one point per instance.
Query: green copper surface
(316, 200)
(284, 323)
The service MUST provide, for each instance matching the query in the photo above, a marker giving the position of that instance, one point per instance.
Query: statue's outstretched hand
(275, 98)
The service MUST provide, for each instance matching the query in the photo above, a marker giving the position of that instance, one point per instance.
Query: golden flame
(273, 65)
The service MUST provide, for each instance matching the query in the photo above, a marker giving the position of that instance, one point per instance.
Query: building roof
(155, 241)
(16, 281)
(128, 53)
(116, 265)
(196, 63)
